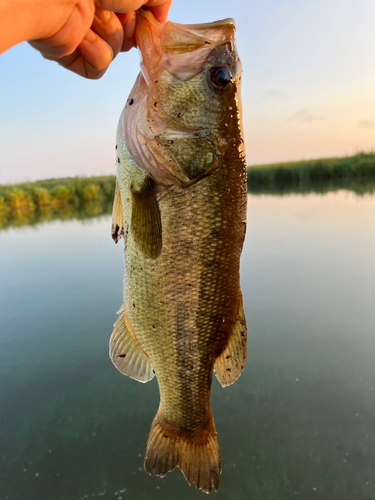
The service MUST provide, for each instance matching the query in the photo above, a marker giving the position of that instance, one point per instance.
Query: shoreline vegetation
(82, 198)
(41, 201)
(353, 173)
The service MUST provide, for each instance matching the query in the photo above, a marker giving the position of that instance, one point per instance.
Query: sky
(308, 90)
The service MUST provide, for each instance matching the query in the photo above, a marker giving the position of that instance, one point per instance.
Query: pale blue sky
(308, 90)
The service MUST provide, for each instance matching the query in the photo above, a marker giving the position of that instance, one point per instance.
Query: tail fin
(197, 455)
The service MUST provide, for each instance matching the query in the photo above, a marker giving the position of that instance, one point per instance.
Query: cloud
(366, 124)
(303, 116)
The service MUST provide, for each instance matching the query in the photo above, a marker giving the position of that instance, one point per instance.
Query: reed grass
(303, 175)
(41, 197)
(81, 197)
(32, 203)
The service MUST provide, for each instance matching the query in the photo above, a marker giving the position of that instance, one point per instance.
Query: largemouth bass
(180, 205)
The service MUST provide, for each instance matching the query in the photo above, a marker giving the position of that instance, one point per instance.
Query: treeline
(32, 203)
(326, 174)
(80, 197)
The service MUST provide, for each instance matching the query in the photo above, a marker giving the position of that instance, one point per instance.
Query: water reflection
(30, 215)
(358, 186)
(299, 423)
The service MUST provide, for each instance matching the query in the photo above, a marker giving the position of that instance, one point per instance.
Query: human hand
(84, 36)
(92, 34)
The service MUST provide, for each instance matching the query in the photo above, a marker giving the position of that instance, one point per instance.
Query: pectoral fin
(126, 352)
(117, 220)
(146, 221)
(230, 363)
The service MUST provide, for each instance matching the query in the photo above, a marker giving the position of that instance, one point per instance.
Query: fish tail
(197, 454)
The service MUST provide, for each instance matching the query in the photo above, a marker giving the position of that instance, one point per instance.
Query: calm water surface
(299, 423)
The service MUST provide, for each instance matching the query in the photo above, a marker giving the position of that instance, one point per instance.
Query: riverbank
(350, 172)
(83, 197)
(32, 203)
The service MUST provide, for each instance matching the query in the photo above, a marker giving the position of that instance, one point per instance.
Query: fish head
(183, 113)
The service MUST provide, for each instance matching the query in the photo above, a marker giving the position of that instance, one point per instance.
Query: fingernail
(129, 28)
(103, 15)
(90, 36)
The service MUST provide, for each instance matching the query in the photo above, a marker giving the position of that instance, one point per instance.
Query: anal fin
(117, 218)
(230, 363)
(126, 352)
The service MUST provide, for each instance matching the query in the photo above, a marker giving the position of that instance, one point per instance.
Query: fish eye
(221, 78)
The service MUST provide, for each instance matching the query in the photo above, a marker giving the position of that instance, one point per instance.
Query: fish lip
(144, 12)
(154, 51)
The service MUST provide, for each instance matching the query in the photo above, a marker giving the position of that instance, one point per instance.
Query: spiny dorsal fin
(126, 352)
(117, 220)
(230, 363)
(146, 221)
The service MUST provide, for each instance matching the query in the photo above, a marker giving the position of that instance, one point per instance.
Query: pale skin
(83, 36)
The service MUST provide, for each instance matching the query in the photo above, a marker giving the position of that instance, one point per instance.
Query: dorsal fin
(117, 218)
(126, 352)
(230, 363)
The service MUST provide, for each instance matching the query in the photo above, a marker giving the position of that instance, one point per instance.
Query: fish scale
(182, 312)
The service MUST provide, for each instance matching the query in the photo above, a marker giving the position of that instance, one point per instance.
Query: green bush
(3, 211)
(41, 196)
(108, 188)
(19, 200)
(91, 192)
(33, 203)
(3, 205)
(63, 194)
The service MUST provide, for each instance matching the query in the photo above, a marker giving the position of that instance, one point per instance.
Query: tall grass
(41, 197)
(79, 197)
(303, 175)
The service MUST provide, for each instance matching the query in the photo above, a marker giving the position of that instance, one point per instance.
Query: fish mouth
(181, 48)
(165, 143)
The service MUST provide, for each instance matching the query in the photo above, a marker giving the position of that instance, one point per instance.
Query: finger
(108, 26)
(129, 25)
(91, 59)
(128, 43)
(133, 5)
(120, 5)
(128, 22)
(159, 11)
(65, 41)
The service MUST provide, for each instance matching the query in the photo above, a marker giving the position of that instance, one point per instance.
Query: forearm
(15, 22)
(22, 20)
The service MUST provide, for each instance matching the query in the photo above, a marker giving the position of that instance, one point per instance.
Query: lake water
(299, 423)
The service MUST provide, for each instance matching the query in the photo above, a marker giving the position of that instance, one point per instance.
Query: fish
(180, 206)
